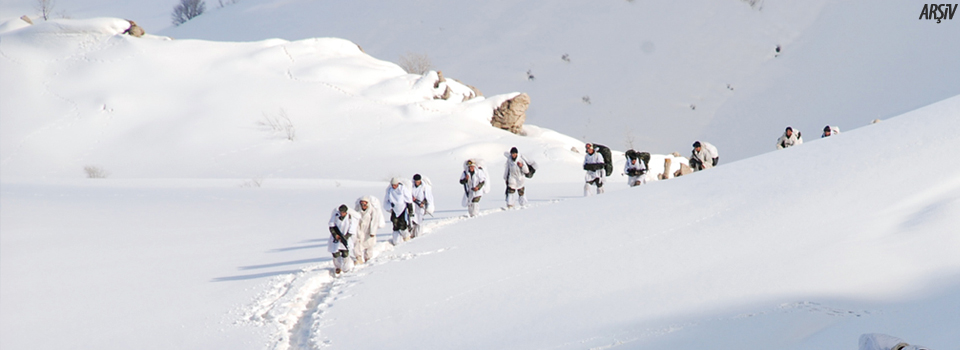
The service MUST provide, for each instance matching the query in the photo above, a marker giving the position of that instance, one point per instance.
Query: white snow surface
(209, 231)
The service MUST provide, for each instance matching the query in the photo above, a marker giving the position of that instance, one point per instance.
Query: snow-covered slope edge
(803, 248)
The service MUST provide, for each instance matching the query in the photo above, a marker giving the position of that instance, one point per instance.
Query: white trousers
(515, 198)
(473, 209)
(344, 264)
(399, 237)
(586, 190)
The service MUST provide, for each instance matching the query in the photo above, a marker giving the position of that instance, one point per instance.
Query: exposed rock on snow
(26, 19)
(511, 114)
(135, 30)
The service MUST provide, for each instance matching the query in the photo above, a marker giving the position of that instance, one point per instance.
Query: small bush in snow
(45, 7)
(279, 123)
(415, 63)
(254, 182)
(224, 3)
(187, 9)
(95, 172)
(754, 3)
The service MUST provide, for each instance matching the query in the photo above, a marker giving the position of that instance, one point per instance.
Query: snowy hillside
(77, 94)
(224, 151)
(654, 73)
(661, 74)
(805, 248)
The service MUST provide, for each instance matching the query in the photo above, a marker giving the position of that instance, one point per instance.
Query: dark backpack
(607, 158)
(532, 170)
(645, 157)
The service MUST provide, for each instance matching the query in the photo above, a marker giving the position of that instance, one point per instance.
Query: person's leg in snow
(523, 198)
(596, 182)
(347, 261)
(511, 197)
(414, 230)
(400, 233)
(474, 207)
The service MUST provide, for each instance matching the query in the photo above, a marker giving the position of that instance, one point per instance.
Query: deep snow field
(209, 229)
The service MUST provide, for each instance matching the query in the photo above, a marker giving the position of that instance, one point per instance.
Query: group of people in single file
(353, 231)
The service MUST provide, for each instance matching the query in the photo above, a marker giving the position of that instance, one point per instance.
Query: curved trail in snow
(295, 303)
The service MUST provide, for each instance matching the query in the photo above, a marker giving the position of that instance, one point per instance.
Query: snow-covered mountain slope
(660, 73)
(803, 248)
(179, 248)
(77, 93)
(657, 74)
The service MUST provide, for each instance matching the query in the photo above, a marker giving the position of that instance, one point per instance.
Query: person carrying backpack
(789, 139)
(371, 219)
(343, 228)
(635, 169)
(422, 203)
(593, 163)
(515, 173)
(399, 201)
(830, 131)
(705, 156)
(473, 179)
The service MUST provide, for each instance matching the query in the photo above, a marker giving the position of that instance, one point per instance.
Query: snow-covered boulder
(511, 114)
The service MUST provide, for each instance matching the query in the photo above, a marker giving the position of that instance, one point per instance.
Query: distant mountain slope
(657, 73)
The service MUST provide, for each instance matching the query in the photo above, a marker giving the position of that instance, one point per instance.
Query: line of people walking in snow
(355, 230)
(598, 163)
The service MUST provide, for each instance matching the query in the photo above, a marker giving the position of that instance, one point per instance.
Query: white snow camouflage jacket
(422, 194)
(347, 225)
(370, 219)
(514, 175)
(595, 158)
(396, 199)
(473, 180)
(706, 154)
(793, 140)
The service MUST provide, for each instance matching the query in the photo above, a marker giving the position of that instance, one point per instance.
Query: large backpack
(607, 158)
(532, 167)
(645, 157)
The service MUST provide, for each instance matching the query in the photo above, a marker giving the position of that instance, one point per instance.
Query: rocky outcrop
(440, 79)
(26, 19)
(476, 92)
(452, 89)
(135, 30)
(511, 114)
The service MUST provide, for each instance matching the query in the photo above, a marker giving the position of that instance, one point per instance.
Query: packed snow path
(296, 302)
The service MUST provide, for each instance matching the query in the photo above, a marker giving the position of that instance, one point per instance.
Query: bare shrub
(95, 172)
(757, 4)
(279, 123)
(187, 9)
(628, 138)
(415, 63)
(253, 183)
(224, 3)
(45, 7)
